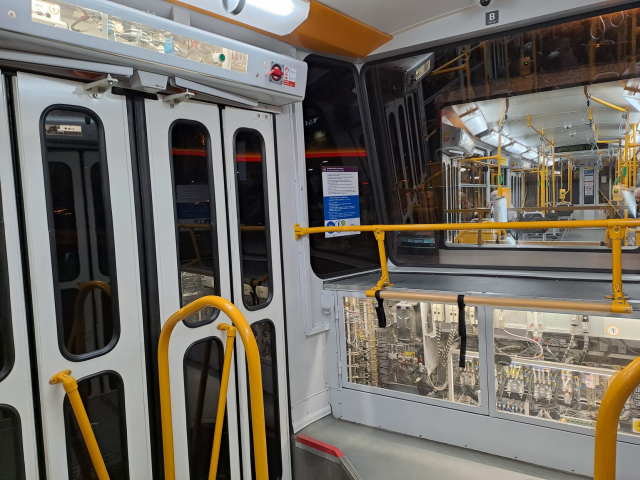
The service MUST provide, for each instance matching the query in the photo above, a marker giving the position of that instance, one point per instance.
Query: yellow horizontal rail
(622, 386)
(255, 382)
(616, 228)
(71, 387)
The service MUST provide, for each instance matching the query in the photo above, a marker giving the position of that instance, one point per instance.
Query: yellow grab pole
(222, 402)
(255, 382)
(553, 172)
(622, 386)
(71, 387)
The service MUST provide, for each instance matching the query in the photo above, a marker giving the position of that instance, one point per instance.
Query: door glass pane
(103, 398)
(202, 370)
(6, 337)
(265, 334)
(252, 206)
(195, 217)
(81, 233)
(11, 456)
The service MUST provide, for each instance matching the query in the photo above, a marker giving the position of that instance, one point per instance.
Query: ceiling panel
(394, 16)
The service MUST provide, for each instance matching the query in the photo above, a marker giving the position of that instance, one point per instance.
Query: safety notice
(341, 198)
(289, 77)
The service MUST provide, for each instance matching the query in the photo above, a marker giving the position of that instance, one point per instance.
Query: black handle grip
(462, 331)
(382, 317)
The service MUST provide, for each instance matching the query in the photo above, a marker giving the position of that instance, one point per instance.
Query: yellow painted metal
(255, 382)
(222, 401)
(621, 387)
(616, 229)
(71, 387)
(607, 104)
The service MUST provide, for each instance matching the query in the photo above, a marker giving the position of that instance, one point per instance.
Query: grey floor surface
(381, 455)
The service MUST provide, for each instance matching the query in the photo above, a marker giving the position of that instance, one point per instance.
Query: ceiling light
(516, 148)
(530, 155)
(631, 94)
(492, 138)
(475, 122)
(275, 16)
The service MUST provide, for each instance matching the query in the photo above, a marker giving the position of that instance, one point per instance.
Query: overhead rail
(71, 387)
(617, 394)
(616, 230)
(242, 328)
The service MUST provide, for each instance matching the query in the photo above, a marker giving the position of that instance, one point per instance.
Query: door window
(6, 336)
(103, 398)
(252, 208)
(195, 216)
(202, 371)
(83, 256)
(12, 458)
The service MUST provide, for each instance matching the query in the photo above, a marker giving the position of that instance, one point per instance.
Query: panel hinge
(99, 87)
(171, 101)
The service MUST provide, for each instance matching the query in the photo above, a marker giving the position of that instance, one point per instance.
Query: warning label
(289, 77)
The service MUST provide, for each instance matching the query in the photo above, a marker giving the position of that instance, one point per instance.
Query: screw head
(11, 14)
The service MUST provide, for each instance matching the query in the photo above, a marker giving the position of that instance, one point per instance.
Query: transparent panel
(252, 213)
(418, 351)
(6, 335)
(12, 457)
(557, 367)
(202, 370)
(265, 333)
(103, 399)
(334, 138)
(543, 125)
(196, 229)
(81, 232)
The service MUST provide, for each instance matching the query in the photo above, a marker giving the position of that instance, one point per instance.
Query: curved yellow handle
(255, 381)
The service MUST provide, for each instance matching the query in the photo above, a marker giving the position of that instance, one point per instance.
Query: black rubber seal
(382, 317)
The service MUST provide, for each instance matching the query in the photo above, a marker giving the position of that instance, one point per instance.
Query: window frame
(253, 308)
(19, 447)
(212, 213)
(111, 250)
(6, 325)
(476, 37)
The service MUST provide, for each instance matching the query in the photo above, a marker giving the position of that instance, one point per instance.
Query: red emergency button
(276, 73)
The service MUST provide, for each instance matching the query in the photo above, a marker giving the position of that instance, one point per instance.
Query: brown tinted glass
(202, 370)
(252, 212)
(197, 252)
(103, 398)
(12, 457)
(81, 233)
(6, 335)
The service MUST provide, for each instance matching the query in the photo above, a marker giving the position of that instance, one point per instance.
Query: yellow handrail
(71, 387)
(616, 229)
(623, 385)
(255, 382)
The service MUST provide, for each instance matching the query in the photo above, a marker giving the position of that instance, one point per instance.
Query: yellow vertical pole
(222, 402)
(622, 386)
(553, 171)
(634, 160)
(487, 91)
(71, 387)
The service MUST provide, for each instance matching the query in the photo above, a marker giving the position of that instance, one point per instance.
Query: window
(334, 137)
(202, 371)
(12, 458)
(195, 216)
(6, 335)
(79, 208)
(103, 399)
(252, 207)
(265, 334)
(478, 120)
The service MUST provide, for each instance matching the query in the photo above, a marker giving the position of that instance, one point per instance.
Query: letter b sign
(493, 17)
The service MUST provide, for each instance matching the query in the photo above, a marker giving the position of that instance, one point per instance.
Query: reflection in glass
(252, 212)
(202, 369)
(103, 399)
(334, 137)
(197, 255)
(418, 351)
(265, 334)
(12, 458)
(82, 237)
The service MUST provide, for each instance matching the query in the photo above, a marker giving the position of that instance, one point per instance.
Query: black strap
(462, 331)
(382, 317)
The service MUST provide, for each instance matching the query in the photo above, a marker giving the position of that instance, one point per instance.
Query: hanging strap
(382, 317)
(462, 331)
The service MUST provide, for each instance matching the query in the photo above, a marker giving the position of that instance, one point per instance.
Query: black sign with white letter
(493, 17)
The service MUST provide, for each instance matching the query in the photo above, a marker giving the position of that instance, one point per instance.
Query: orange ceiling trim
(325, 30)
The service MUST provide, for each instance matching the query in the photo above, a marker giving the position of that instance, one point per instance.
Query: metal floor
(381, 455)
